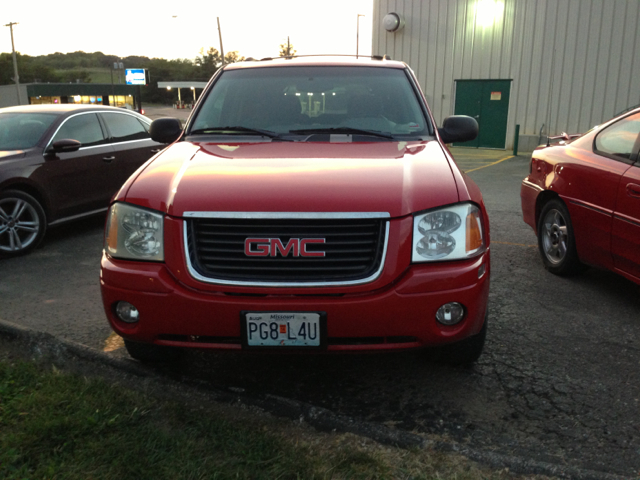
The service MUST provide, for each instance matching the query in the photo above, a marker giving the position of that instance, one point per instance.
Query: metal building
(546, 65)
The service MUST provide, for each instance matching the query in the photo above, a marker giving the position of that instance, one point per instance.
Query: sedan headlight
(134, 233)
(450, 233)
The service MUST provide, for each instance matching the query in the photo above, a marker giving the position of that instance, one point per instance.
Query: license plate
(282, 329)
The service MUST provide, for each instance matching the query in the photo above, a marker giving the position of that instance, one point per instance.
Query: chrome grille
(354, 250)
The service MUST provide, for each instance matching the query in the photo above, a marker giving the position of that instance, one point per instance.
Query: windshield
(300, 101)
(19, 131)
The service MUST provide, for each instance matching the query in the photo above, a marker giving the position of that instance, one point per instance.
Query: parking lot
(558, 382)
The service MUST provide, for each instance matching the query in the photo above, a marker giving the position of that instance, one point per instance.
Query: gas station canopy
(179, 85)
(182, 84)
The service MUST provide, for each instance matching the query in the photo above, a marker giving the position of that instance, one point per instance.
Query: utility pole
(358, 33)
(15, 62)
(221, 48)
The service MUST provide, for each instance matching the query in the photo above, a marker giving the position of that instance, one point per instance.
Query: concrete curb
(43, 345)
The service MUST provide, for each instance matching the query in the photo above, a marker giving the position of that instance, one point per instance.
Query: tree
(208, 62)
(287, 50)
(233, 57)
(211, 61)
(30, 69)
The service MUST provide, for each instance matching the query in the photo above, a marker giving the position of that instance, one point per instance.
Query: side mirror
(458, 128)
(165, 130)
(64, 145)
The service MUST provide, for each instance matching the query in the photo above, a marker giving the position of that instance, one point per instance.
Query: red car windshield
(19, 131)
(290, 101)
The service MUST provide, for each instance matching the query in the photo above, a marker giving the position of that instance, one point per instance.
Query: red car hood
(393, 177)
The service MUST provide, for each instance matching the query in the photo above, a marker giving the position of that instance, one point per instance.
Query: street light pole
(358, 33)
(220, 35)
(15, 62)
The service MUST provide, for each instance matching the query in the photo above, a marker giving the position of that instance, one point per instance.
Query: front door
(488, 102)
(625, 242)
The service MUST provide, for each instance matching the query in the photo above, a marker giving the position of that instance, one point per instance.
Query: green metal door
(488, 102)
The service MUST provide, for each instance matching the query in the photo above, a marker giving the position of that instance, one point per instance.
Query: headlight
(450, 233)
(134, 233)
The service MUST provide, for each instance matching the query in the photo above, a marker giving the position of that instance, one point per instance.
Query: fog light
(450, 313)
(127, 312)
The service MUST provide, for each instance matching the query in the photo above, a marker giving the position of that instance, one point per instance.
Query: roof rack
(289, 57)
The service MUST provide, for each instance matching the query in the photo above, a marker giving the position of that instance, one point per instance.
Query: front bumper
(529, 192)
(400, 316)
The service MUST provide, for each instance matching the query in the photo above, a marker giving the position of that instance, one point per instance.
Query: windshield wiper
(343, 131)
(238, 130)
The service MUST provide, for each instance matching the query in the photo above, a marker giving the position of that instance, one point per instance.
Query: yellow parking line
(473, 162)
(516, 244)
(485, 166)
(114, 342)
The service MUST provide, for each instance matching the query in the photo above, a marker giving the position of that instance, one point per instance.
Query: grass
(55, 425)
(99, 75)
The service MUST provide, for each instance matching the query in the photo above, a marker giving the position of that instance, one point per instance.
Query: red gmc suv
(308, 205)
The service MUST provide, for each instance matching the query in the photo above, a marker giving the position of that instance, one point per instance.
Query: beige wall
(9, 95)
(574, 63)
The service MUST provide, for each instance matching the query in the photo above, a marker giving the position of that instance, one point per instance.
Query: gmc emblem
(265, 247)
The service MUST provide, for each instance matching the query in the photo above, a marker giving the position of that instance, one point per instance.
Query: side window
(620, 138)
(123, 127)
(84, 128)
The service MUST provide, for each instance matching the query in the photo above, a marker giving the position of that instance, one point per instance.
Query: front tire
(23, 223)
(556, 240)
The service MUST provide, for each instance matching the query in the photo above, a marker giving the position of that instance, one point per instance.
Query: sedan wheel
(556, 240)
(22, 223)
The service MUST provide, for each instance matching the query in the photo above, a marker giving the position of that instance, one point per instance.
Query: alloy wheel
(19, 224)
(554, 236)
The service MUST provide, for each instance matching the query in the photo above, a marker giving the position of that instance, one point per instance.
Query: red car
(582, 198)
(309, 205)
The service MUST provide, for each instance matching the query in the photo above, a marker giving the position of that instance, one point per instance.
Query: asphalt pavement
(557, 390)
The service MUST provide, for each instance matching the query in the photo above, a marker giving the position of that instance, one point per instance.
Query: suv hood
(395, 177)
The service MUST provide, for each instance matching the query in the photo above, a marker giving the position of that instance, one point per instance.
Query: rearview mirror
(458, 128)
(64, 145)
(165, 130)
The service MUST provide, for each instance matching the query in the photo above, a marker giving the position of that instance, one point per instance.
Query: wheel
(466, 351)
(150, 353)
(22, 223)
(556, 240)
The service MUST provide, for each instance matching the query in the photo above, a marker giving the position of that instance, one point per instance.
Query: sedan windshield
(19, 131)
(304, 102)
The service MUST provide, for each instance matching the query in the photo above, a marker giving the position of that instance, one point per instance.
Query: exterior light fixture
(393, 22)
(488, 12)
(168, 88)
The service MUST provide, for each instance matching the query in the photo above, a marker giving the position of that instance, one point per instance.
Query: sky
(179, 29)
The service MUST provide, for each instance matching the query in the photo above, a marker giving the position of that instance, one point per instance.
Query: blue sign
(135, 76)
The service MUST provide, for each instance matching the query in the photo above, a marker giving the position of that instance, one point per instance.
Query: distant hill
(96, 67)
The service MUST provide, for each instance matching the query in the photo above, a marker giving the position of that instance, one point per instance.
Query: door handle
(155, 150)
(108, 159)
(633, 190)
(477, 116)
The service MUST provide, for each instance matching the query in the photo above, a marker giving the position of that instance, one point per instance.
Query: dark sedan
(582, 197)
(63, 162)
